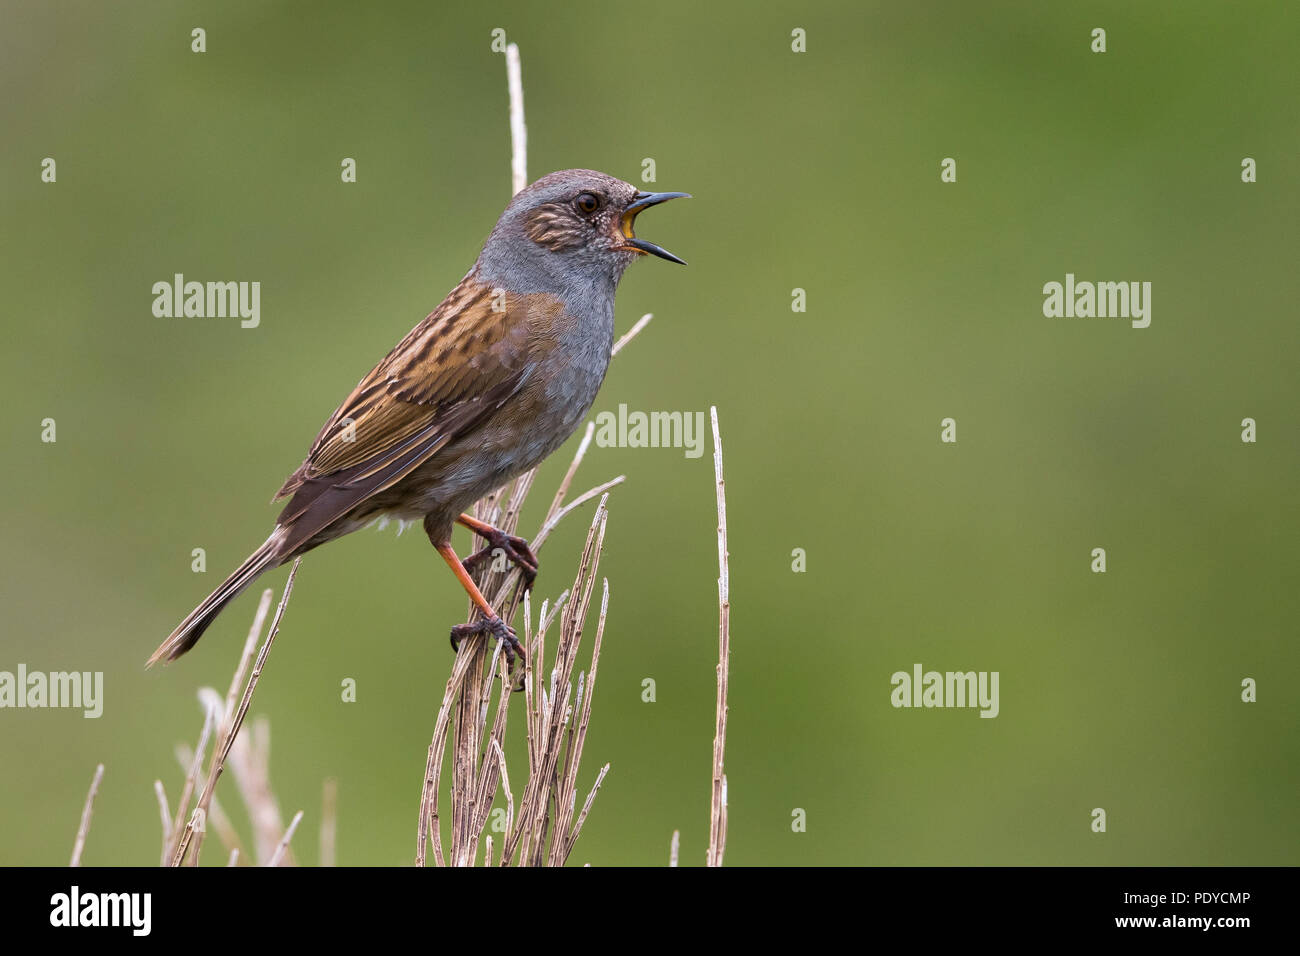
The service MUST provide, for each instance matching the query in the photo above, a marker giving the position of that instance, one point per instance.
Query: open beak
(640, 203)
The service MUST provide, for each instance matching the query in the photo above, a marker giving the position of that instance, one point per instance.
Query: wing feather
(457, 366)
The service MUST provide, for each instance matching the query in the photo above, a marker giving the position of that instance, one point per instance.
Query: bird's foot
(499, 630)
(514, 548)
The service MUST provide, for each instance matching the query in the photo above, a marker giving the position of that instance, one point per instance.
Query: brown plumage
(489, 384)
(454, 369)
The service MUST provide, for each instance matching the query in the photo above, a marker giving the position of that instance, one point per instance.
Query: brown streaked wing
(461, 350)
(457, 365)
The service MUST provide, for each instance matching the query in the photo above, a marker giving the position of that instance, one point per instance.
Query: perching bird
(488, 385)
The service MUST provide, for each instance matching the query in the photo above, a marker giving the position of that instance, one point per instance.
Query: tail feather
(189, 631)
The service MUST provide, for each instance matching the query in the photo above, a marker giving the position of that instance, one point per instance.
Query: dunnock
(488, 385)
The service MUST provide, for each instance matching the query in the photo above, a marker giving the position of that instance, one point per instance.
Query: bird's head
(580, 219)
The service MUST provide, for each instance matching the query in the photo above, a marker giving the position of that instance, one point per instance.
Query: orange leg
(465, 580)
(491, 622)
(480, 527)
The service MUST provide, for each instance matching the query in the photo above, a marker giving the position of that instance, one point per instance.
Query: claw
(499, 630)
(515, 549)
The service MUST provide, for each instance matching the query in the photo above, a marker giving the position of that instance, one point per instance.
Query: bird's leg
(491, 622)
(513, 547)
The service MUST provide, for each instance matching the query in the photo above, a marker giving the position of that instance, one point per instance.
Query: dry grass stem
(216, 817)
(631, 333)
(433, 769)
(718, 817)
(250, 766)
(165, 813)
(84, 827)
(231, 722)
(282, 847)
(518, 128)
(180, 828)
(329, 821)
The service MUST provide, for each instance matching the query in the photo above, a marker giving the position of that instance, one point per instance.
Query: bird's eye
(587, 203)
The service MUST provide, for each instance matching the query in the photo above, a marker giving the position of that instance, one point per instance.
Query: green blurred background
(817, 170)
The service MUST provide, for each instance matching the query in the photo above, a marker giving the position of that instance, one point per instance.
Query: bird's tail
(189, 631)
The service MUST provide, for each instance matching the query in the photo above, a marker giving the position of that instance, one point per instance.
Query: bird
(484, 388)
